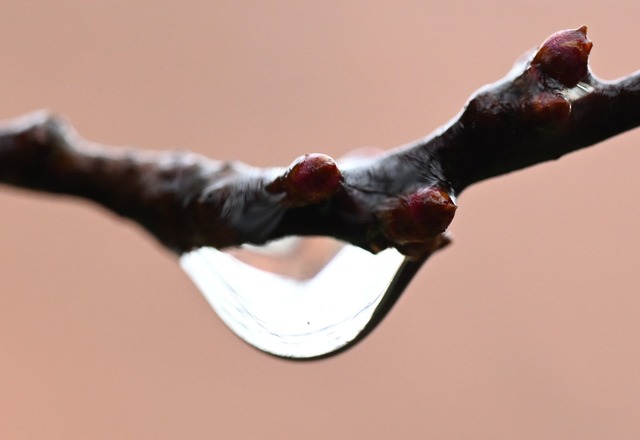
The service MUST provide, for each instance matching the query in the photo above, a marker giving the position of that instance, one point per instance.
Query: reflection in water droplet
(293, 257)
(301, 318)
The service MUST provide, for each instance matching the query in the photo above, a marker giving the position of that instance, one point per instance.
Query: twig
(550, 104)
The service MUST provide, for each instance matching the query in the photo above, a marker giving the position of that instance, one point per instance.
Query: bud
(418, 217)
(546, 109)
(564, 56)
(310, 179)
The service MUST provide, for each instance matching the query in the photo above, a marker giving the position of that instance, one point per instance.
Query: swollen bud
(546, 109)
(312, 178)
(418, 217)
(564, 56)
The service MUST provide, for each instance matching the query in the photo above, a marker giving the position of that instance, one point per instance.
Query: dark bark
(548, 105)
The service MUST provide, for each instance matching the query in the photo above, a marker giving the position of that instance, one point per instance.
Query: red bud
(419, 216)
(564, 56)
(546, 109)
(311, 178)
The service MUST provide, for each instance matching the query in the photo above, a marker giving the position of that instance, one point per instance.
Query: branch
(550, 104)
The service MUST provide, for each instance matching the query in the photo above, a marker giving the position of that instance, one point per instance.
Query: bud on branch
(548, 106)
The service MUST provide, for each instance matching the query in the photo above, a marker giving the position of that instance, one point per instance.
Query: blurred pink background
(527, 327)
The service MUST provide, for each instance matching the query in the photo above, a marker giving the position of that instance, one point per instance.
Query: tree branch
(550, 104)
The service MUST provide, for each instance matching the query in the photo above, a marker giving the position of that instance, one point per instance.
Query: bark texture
(548, 105)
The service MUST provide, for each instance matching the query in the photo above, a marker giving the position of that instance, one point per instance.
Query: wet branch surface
(550, 104)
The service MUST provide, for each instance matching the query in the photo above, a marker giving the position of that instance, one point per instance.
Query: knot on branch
(33, 147)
